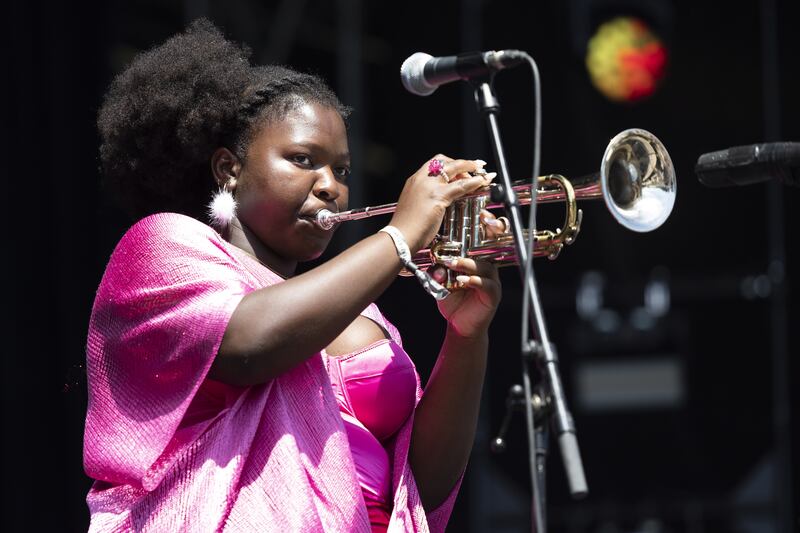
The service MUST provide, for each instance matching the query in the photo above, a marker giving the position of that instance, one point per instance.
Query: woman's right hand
(425, 198)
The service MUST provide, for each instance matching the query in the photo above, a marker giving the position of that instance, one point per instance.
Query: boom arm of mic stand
(565, 427)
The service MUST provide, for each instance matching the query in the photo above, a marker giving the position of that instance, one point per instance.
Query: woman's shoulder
(172, 250)
(167, 238)
(173, 230)
(172, 226)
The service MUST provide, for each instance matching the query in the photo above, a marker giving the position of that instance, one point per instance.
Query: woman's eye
(342, 172)
(302, 159)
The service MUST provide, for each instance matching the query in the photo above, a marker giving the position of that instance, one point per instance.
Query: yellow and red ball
(625, 59)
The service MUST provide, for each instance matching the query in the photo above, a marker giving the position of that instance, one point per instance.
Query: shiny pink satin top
(376, 385)
(375, 388)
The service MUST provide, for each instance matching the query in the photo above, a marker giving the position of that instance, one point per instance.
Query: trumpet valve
(443, 250)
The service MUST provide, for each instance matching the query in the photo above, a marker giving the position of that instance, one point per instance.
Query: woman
(226, 393)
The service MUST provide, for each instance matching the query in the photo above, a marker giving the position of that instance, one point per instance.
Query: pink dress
(172, 450)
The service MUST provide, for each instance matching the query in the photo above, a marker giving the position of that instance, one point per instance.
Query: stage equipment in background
(628, 362)
(754, 163)
(633, 162)
(625, 59)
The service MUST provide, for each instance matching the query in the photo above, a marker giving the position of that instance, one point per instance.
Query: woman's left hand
(470, 309)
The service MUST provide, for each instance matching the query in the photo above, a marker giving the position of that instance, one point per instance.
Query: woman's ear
(225, 166)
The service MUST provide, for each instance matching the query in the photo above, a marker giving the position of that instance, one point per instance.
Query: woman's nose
(326, 186)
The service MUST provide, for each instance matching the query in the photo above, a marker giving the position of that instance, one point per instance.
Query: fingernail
(480, 162)
(462, 279)
(490, 176)
(452, 263)
(493, 222)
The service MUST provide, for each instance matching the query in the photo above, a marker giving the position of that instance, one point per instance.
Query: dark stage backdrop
(681, 377)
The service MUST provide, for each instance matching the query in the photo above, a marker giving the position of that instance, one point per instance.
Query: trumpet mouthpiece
(324, 219)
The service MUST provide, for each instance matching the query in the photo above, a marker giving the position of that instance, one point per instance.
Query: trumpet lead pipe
(586, 187)
(327, 219)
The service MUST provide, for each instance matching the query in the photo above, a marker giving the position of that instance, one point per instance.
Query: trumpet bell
(638, 180)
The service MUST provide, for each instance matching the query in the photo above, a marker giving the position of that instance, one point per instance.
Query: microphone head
(412, 74)
(753, 163)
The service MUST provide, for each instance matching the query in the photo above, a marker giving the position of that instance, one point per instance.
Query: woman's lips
(311, 219)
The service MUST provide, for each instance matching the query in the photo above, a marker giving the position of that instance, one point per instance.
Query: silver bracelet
(430, 285)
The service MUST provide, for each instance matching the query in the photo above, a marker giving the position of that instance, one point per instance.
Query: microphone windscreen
(412, 74)
(754, 163)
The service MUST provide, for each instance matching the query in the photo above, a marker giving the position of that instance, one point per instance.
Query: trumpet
(636, 181)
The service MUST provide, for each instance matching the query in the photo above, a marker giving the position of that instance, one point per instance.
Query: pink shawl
(171, 450)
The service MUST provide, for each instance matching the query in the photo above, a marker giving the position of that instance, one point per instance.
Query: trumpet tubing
(636, 181)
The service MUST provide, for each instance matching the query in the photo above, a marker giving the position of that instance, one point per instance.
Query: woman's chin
(310, 257)
(311, 252)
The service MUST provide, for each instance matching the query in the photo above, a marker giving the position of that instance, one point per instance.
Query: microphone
(754, 163)
(422, 73)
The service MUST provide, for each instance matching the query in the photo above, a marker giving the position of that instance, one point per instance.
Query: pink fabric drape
(174, 451)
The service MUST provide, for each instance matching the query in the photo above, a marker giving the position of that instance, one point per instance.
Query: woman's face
(293, 168)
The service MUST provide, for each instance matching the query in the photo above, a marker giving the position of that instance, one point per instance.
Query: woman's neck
(240, 236)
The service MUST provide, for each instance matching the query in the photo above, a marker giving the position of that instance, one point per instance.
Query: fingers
(485, 284)
(494, 226)
(466, 267)
(467, 184)
(469, 282)
(456, 169)
(471, 267)
(463, 168)
(453, 167)
(459, 176)
(470, 274)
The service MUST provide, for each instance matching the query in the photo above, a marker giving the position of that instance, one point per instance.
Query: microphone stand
(542, 352)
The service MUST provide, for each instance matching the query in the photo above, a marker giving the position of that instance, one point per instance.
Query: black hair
(174, 105)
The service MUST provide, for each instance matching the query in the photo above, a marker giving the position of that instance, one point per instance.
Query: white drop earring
(222, 208)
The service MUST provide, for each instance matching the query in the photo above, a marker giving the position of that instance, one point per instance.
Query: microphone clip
(515, 401)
